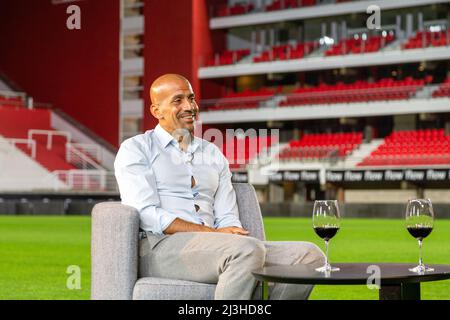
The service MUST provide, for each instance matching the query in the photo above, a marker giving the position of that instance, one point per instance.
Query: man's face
(178, 108)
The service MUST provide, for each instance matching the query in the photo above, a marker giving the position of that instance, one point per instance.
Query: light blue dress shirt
(154, 176)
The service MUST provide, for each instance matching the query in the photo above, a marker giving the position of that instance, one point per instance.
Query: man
(188, 207)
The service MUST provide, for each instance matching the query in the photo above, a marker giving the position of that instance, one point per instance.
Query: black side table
(396, 281)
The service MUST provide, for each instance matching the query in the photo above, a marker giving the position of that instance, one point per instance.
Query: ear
(154, 110)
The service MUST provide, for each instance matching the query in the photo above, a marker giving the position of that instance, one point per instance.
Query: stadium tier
(409, 148)
(360, 91)
(321, 146)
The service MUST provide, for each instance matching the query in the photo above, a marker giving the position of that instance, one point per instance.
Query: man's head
(173, 103)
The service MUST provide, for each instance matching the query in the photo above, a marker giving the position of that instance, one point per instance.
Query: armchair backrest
(249, 210)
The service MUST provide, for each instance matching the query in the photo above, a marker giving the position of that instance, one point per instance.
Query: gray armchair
(115, 248)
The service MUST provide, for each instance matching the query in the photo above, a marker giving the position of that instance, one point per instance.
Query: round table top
(351, 273)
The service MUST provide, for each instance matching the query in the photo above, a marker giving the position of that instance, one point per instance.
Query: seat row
(243, 8)
(321, 146)
(414, 147)
(360, 91)
(246, 99)
(359, 45)
(228, 57)
(285, 52)
(443, 90)
(424, 39)
(11, 101)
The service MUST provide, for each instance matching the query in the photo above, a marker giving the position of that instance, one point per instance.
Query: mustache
(193, 114)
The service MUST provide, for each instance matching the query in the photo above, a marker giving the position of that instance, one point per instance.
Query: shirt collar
(165, 138)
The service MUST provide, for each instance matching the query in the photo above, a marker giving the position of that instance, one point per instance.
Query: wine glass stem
(420, 253)
(326, 253)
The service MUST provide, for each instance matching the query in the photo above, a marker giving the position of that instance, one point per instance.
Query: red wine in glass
(419, 223)
(326, 223)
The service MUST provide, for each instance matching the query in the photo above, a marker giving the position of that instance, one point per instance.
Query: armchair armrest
(114, 251)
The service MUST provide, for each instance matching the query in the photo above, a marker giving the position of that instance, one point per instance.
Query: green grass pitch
(36, 251)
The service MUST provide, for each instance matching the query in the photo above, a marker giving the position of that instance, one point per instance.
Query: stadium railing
(31, 144)
(76, 157)
(49, 134)
(85, 180)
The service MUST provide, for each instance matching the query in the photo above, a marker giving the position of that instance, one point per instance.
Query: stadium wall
(75, 70)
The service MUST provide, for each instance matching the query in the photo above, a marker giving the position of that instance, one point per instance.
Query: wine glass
(419, 223)
(326, 223)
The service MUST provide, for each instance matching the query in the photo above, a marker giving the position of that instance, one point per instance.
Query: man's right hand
(233, 230)
(179, 225)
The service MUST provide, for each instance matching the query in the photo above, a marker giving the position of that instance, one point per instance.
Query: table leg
(403, 291)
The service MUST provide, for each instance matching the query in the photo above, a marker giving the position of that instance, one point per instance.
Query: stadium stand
(415, 147)
(322, 80)
(322, 146)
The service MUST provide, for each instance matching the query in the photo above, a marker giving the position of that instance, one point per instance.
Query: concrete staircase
(362, 152)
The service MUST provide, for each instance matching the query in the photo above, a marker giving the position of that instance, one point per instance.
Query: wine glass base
(327, 268)
(421, 269)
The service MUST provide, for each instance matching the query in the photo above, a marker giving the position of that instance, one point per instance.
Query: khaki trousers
(225, 260)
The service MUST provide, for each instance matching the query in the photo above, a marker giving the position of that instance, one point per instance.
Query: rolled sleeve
(225, 206)
(137, 186)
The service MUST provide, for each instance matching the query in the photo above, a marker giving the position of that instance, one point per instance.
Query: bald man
(181, 186)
